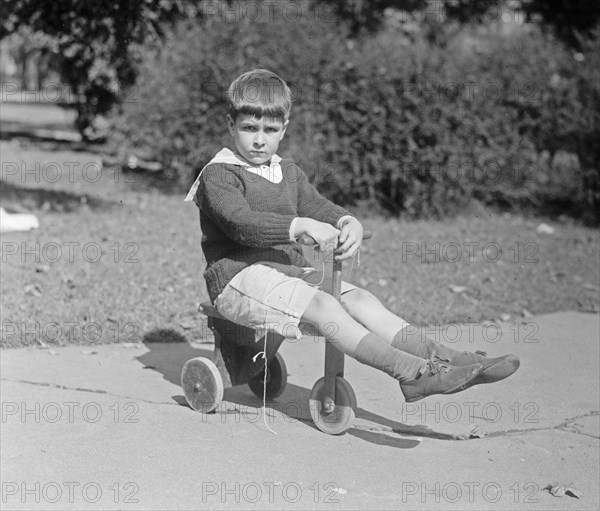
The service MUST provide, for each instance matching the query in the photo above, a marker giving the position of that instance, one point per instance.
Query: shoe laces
(437, 364)
(472, 356)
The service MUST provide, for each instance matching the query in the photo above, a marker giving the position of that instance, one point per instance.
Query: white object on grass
(544, 229)
(10, 222)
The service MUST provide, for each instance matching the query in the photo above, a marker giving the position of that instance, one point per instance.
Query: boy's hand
(325, 235)
(350, 239)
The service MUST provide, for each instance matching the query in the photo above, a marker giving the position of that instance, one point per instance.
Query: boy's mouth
(258, 154)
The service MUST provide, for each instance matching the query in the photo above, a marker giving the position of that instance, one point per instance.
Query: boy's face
(256, 139)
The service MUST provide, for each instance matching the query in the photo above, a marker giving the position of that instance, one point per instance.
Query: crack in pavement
(569, 425)
(83, 389)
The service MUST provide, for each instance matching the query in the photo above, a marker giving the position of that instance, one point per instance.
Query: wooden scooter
(332, 400)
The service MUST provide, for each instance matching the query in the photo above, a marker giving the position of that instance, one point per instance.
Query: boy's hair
(259, 93)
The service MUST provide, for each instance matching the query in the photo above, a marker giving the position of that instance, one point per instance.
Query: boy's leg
(418, 378)
(369, 311)
(365, 308)
(334, 323)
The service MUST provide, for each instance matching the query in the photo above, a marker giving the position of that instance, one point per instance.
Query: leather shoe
(439, 377)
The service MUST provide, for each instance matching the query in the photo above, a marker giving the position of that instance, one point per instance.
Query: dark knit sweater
(246, 219)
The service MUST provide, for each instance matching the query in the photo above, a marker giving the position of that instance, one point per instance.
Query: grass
(115, 261)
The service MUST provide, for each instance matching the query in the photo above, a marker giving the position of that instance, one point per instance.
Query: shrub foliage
(409, 122)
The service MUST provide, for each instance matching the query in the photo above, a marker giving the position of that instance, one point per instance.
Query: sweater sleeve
(313, 205)
(222, 200)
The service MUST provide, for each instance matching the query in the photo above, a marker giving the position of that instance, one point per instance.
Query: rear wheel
(202, 384)
(276, 379)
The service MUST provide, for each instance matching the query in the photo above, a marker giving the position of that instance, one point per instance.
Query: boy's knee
(358, 298)
(324, 302)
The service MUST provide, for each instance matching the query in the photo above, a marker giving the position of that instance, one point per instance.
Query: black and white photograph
(300, 255)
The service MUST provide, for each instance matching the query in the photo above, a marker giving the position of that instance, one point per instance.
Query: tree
(97, 42)
(570, 19)
(367, 14)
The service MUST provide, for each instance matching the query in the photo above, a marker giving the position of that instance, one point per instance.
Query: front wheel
(341, 419)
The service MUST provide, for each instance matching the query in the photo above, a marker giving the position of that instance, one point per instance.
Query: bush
(500, 114)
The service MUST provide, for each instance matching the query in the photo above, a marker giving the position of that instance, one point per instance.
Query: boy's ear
(230, 124)
(285, 125)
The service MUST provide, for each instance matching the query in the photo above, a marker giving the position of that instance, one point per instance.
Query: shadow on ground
(168, 351)
(23, 198)
(43, 132)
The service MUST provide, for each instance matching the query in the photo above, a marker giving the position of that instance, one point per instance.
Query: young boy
(254, 205)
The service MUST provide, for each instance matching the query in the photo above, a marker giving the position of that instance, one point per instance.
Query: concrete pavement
(106, 427)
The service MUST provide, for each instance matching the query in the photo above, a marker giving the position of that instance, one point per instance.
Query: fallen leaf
(477, 433)
(32, 290)
(457, 289)
(561, 489)
(589, 285)
(88, 352)
(68, 281)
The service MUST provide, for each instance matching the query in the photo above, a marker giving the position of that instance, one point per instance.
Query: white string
(318, 284)
(263, 353)
(264, 356)
(355, 255)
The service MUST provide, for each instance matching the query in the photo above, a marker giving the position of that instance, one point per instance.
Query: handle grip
(309, 241)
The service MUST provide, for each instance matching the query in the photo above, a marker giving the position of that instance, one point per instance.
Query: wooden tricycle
(236, 361)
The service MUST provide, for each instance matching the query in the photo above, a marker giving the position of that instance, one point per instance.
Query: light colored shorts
(263, 298)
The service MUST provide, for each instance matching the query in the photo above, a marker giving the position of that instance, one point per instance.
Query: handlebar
(309, 241)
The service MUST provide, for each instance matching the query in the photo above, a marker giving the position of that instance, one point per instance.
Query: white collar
(270, 172)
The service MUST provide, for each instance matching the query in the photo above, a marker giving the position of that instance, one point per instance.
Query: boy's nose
(259, 140)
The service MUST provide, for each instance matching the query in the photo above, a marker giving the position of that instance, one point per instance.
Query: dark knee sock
(377, 353)
(414, 341)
